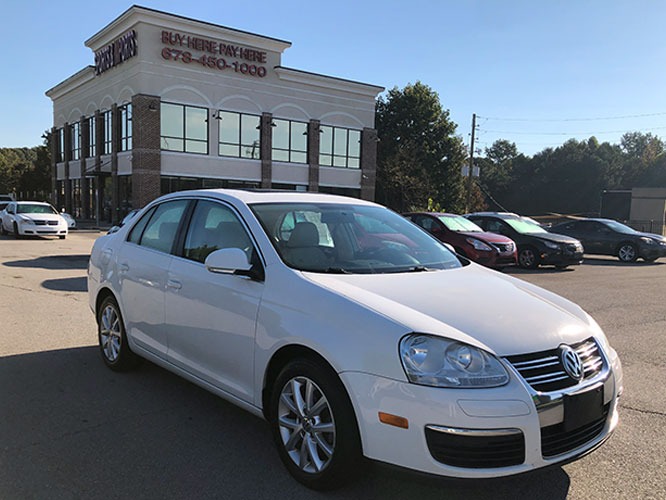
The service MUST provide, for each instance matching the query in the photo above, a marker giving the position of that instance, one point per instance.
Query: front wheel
(113, 345)
(314, 426)
(528, 258)
(627, 252)
(17, 235)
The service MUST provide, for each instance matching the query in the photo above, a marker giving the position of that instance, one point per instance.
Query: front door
(211, 317)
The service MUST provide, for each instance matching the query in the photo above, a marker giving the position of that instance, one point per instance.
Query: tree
(418, 156)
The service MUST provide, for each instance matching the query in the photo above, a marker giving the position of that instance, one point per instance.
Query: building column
(266, 141)
(85, 149)
(368, 163)
(313, 155)
(146, 152)
(53, 146)
(67, 156)
(99, 184)
(115, 146)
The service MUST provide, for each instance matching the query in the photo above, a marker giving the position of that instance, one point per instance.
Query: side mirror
(232, 261)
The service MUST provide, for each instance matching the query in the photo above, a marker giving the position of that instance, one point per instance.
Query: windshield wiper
(418, 269)
(336, 270)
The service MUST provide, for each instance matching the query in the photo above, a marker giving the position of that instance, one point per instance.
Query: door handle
(175, 284)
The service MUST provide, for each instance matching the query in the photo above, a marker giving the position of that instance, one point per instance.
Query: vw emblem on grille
(571, 362)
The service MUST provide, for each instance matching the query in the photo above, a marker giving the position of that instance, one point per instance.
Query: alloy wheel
(110, 333)
(627, 253)
(306, 425)
(527, 258)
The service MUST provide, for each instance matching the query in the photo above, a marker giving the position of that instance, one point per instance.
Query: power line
(600, 118)
(568, 133)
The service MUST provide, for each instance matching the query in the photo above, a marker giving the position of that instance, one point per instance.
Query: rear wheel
(627, 252)
(113, 345)
(528, 258)
(314, 426)
(62, 237)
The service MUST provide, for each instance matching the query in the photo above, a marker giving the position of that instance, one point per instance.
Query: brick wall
(146, 154)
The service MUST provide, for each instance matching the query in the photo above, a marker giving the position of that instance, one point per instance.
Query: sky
(535, 73)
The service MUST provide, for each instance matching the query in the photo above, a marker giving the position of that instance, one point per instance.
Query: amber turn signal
(395, 420)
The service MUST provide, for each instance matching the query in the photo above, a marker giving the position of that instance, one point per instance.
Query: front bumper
(27, 229)
(651, 252)
(493, 432)
(561, 257)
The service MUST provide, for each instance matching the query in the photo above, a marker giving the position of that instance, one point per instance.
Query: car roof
(270, 196)
(499, 215)
(434, 214)
(32, 203)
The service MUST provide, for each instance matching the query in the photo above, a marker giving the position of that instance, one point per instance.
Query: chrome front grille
(544, 372)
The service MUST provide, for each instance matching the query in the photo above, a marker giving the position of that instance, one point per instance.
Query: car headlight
(479, 245)
(438, 362)
(648, 241)
(550, 244)
(24, 220)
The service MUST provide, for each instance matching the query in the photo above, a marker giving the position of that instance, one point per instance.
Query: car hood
(657, 237)
(41, 216)
(471, 304)
(486, 236)
(556, 237)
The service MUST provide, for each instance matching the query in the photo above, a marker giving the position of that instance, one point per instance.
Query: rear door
(142, 266)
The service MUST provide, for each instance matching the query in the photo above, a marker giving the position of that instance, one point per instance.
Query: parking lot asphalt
(70, 428)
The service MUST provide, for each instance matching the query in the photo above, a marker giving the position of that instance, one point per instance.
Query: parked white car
(353, 333)
(32, 218)
(71, 221)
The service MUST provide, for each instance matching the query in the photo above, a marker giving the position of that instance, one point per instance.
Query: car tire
(528, 258)
(112, 338)
(16, 231)
(627, 252)
(2, 229)
(314, 426)
(651, 259)
(61, 237)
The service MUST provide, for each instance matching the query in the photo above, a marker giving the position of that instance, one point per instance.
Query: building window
(107, 124)
(340, 147)
(125, 115)
(92, 137)
(239, 135)
(75, 141)
(184, 128)
(60, 153)
(290, 141)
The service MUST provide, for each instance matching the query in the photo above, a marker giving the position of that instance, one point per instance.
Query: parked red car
(468, 239)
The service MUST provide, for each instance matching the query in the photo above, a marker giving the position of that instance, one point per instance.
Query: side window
(213, 227)
(137, 230)
(494, 226)
(160, 231)
(427, 223)
(482, 223)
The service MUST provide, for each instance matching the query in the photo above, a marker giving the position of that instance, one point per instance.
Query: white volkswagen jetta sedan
(32, 218)
(353, 333)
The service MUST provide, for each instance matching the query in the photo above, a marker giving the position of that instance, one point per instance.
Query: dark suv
(468, 239)
(536, 246)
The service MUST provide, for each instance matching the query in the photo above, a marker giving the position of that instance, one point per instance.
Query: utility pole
(471, 167)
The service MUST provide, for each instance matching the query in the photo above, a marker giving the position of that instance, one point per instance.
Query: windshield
(35, 209)
(524, 226)
(620, 228)
(342, 238)
(459, 223)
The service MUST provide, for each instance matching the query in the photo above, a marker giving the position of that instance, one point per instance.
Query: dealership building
(174, 103)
